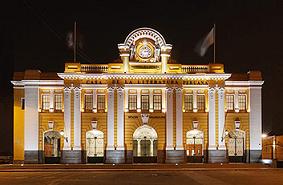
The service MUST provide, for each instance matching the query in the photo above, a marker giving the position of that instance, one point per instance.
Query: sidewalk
(125, 167)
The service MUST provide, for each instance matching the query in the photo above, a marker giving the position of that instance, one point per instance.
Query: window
(132, 102)
(101, 102)
(157, 102)
(88, 102)
(242, 101)
(200, 102)
(145, 102)
(230, 102)
(188, 102)
(23, 103)
(58, 101)
(45, 102)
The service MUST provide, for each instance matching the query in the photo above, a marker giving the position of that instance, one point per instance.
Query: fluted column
(179, 119)
(120, 118)
(221, 119)
(211, 120)
(126, 103)
(77, 118)
(169, 119)
(110, 119)
(163, 100)
(67, 118)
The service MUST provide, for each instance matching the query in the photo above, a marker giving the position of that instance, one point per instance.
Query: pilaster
(67, 118)
(169, 119)
(179, 119)
(77, 118)
(120, 119)
(110, 119)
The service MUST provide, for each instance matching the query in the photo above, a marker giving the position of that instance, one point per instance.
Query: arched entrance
(236, 146)
(95, 146)
(52, 152)
(145, 144)
(194, 146)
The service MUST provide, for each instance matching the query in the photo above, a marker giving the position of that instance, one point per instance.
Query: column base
(115, 156)
(175, 156)
(217, 156)
(71, 157)
(255, 156)
(33, 156)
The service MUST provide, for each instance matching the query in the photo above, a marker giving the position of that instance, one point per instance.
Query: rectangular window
(230, 102)
(88, 102)
(157, 102)
(58, 102)
(242, 101)
(145, 102)
(188, 102)
(45, 101)
(22, 103)
(200, 102)
(132, 102)
(101, 102)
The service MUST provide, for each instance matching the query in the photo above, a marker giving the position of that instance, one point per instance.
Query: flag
(205, 43)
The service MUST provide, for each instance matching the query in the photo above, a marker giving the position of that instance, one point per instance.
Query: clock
(145, 51)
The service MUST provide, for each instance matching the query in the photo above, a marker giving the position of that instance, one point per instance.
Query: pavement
(139, 176)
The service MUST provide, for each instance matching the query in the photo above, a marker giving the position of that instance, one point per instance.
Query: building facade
(143, 107)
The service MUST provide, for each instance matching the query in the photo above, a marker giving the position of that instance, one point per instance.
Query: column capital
(67, 89)
(77, 89)
(169, 90)
(111, 89)
(179, 90)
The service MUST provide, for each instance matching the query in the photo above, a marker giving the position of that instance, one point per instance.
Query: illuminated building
(143, 107)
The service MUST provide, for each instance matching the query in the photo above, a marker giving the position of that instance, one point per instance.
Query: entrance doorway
(194, 146)
(236, 146)
(95, 146)
(52, 152)
(145, 145)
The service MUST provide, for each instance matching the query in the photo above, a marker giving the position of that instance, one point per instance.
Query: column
(169, 119)
(221, 119)
(139, 148)
(179, 119)
(126, 103)
(163, 100)
(151, 100)
(151, 147)
(67, 118)
(195, 105)
(31, 126)
(77, 118)
(255, 118)
(211, 120)
(138, 100)
(110, 119)
(120, 119)
(94, 100)
(51, 103)
(236, 101)
(164, 60)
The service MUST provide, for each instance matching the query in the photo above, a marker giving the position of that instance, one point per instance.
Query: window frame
(188, 103)
(159, 102)
(144, 103)
(132, 108)
(88, 105)
(100, 105)
(198, 103)
(227, 103)
(245, 103)
(56, 103)
(43, 103)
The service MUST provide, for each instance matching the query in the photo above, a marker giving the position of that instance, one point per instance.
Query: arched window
(145, 141)
(52, 144)
(194, 142)
(94, 143)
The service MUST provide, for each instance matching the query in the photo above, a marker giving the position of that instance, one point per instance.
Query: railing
(195, 68)
(102, 68)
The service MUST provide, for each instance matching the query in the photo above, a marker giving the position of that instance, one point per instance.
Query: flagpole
(75, 41)
(214, 31)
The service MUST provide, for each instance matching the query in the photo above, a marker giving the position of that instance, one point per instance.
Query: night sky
(249, 36)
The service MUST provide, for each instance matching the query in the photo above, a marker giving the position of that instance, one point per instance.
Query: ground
(141, 176)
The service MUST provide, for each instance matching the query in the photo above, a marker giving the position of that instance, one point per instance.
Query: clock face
(145, 51)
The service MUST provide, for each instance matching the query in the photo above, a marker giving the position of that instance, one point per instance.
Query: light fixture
(62, 133)
(263, 135)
